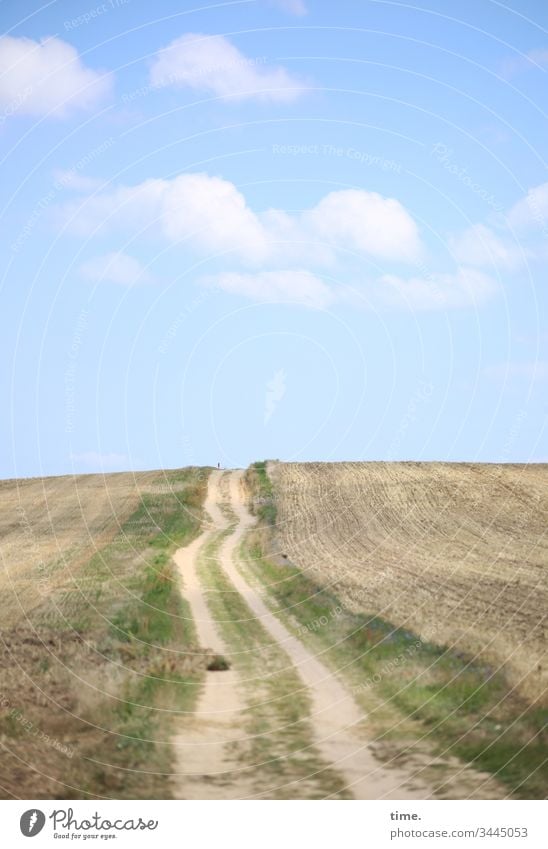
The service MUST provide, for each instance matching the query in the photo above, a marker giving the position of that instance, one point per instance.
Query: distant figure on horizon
(218, 465)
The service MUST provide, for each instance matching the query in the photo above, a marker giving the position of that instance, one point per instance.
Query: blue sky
(272, 228)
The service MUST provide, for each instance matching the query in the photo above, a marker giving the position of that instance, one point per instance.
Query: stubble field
(456, 553)
(97, 648)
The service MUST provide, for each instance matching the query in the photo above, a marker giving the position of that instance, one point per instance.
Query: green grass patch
(263, 503)
(153, 629)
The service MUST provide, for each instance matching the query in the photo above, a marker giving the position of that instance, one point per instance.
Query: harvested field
(50, 526)
(97, 648)
(455, 552)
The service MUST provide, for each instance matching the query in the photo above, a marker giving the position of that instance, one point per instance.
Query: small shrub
(218, 663)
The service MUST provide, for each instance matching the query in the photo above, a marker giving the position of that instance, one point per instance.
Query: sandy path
(206, 764)
(211, 760)
(336, 717)
(204, 767)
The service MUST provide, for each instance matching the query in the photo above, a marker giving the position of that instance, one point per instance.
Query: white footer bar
(277, 824)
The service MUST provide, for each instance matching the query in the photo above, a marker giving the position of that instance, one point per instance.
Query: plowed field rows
(457, 553)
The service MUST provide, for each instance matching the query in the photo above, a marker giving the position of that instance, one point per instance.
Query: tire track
(336, 717)
(204, 766)
(208, 766)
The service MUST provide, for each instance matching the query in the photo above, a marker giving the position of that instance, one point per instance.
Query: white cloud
(533, 60)
(212, 215)
(209, 212)
(46, 77)
(531, 212)
(293, 286)
(215, 215)
(115, 267)
(212, 63)
(466, 287)
(521, 235)
(479, 245)
(293, 7)
(366, 222)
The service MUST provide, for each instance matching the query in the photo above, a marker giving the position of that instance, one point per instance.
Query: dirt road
(217, 748)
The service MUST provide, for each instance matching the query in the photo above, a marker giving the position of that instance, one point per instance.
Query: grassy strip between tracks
(278, 754)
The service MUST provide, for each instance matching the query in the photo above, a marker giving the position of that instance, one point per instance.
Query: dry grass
(50, 526)
(97, 647)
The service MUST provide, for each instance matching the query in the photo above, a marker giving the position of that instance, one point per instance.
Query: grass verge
(263, 503)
